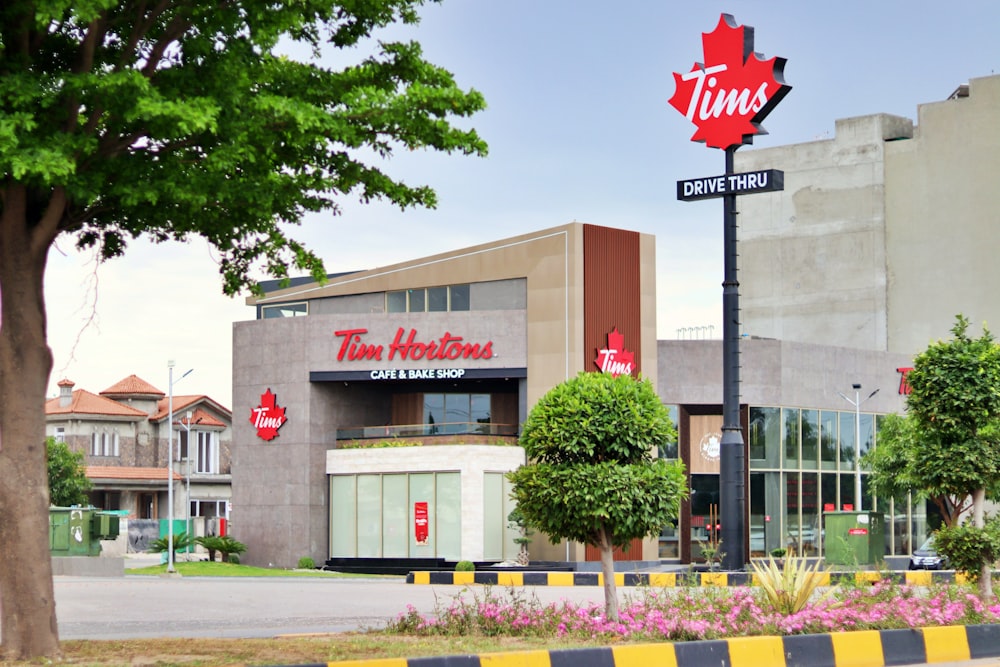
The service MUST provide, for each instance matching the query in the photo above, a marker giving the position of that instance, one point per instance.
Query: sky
(579, 129)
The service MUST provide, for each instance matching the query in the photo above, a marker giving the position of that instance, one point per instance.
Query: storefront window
(847, 455)
(284, 310)
(395, 302)
(810, 438)
(457, 413)
(765, 435)
(459, 297)
(418, 300)
(791, 436)
(828, 440)
(437, 299)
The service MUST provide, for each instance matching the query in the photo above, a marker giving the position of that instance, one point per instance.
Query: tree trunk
(608, 569)
(28, 613)
(986, 567)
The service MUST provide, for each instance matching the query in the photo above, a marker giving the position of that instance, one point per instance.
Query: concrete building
(880, 237)
(883, 233)
(123, 434)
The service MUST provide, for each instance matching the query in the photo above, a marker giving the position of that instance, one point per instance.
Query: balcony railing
(443, 432)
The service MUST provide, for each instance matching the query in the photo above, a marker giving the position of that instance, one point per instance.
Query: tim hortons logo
(615, 359)
(731, 93)
(267, 418)
(405, 345)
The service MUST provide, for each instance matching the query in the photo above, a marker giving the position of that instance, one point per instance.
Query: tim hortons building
(377, 414)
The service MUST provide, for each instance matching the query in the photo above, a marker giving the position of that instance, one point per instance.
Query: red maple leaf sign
(268, 417)
(730, 94)
(615, 359)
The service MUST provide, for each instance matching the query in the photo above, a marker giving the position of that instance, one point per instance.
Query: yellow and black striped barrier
(867, 648)
(663, 579)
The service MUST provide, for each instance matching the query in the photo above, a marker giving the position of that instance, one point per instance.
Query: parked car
(927, 557)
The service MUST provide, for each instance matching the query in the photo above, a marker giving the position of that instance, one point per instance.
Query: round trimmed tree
(592, 475)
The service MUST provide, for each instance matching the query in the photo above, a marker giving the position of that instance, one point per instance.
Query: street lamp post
(857, 438)
(187, 470)
(170, 465)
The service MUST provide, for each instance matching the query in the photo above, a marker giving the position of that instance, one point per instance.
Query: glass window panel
(437, 299)
(395, 529)
(704, 508)
(793, 500)
(758, 543)
(668, 450)
(369, 516)
(765, 435)
(422, 491)
(343, 515)
(479, 406)
(810, 438)
(456, 413)
(828, 492)
(847, 454)
(493, 522)
(418, 298)
(828, 440)
(395, 302)
(791, 436)
(459, 297)
(433, 412)
(284, 310)
(847, 494)
(867, 432)
(809, 538)
(448, 513)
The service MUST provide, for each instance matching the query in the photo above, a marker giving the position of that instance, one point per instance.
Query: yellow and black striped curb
(867, 648)
(665, 579)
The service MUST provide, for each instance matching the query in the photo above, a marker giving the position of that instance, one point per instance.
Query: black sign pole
(732, 459)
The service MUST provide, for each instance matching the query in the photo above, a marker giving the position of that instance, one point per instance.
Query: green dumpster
(854, 538)
(78, 531)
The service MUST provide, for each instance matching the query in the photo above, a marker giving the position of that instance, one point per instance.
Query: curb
(665, 579)
(865, 648)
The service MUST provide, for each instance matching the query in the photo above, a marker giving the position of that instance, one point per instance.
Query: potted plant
(712, 554)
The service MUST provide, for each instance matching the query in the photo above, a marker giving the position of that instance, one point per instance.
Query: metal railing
(424, 430)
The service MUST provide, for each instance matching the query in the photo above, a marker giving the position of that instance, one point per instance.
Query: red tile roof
(181, 404)
(122, 472)
(86, 403)
(198, 418)
(133, 385)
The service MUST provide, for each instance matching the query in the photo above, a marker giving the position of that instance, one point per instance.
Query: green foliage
(590, 441)
(210, 543)
(465, 566)
(161, 544)
(516, 520)
(380, 444)
(306, 563)
(948, 445)
(68, 481)
(968, 548)
(779, 552)
(228, 547)
(233, 559)
(188, 120)
(793, 585)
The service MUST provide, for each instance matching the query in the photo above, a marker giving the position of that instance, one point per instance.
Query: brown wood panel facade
(611, 291)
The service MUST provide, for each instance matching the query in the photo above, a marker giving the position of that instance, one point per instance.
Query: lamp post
(187, 470)
(857, 437)
(170, 465)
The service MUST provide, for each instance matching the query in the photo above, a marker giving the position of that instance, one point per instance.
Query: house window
(60, 434)
(208, 452)
(208, 508)
(104, 444)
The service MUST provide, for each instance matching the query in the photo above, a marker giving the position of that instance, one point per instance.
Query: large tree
(171, 118)
(947, 447)
(592, 475)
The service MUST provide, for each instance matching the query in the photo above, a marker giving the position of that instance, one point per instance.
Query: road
(136, 607)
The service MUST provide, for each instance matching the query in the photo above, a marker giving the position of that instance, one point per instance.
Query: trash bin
(854, 538)
(78, 531)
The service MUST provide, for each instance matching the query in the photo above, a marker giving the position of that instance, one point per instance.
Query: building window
(208, 508)
(208, 453)
(60, 434)
(457, 413)
(104, 444)
(284, 310)
(430, 299)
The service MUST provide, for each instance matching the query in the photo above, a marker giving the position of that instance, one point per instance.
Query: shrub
(791, 587)
(229, 547)
(306, 563)
(181, 541)
(234, 559)
(465, 566)
(210, 543)
(779, 552)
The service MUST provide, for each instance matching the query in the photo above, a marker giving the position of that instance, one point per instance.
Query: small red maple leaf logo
(730, 94)
(615, 359)
(268, 417)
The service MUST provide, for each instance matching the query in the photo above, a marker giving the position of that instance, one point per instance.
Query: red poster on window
(420, 531)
